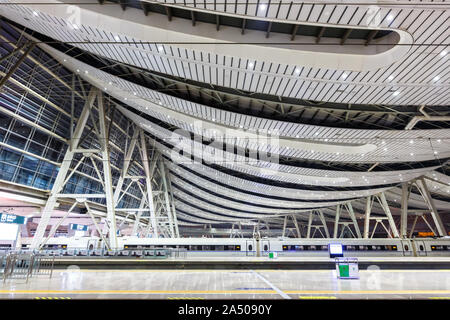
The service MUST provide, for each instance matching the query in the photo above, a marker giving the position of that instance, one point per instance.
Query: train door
(91, 244)
(407, 250)
(265, 247)
(250, 246)
(421, 250)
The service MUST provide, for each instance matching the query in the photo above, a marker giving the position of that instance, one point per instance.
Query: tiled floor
(74, 283)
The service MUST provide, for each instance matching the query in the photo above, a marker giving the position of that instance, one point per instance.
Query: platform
(284, 263)
(75, 283)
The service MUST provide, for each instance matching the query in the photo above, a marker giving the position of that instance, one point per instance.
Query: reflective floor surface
(75, 283)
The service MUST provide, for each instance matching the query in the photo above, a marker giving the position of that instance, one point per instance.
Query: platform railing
(23, 265)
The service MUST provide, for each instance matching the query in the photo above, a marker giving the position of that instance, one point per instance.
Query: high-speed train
(241, 247)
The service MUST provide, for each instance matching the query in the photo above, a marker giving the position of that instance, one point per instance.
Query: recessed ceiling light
(117, 38)
(262, 7)
(411, 141)
(390, 17)
(344, 75)
(396, 93)
(250, 64)
(35, 13)
(297, 70)
(160, 48)
(391, 78)
(443, 53)
(436, 78)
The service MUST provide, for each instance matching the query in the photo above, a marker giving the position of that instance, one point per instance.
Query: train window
(394, 248)
(237, 248)
(250, 247)
(285, 248)
(266, 247)
(421, 247)
(406, 247)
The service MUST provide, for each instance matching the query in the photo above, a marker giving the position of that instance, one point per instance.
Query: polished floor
(75, 283)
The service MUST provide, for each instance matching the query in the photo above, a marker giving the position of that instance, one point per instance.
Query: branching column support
(166, 198)
(175, 220)
(336, 221)
(104, 140)
(422, 186)
(404, 212)
(353, 217)
(148, 182)
(324, 223)
(299, 235)
(62, 173)
(387, 211)
(367, 217)
(310, 219)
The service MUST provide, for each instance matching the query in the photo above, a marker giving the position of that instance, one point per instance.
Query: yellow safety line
(317, 297)
(223, 292)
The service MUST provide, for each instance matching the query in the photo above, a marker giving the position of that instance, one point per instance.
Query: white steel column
(65, 166)
(284, 226)
(336, 221)
(299, 235)
(138, 216)
(308, 233)
(166, 197)
(353, 217)
(110, 213)
(388, 213)
(175, 220)
(367, 217)
(324, 223)
(429, 201)
(148, 183)
(126, 164)
(404, 212)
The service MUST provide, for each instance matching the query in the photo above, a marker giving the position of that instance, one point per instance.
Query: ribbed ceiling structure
(345, 101)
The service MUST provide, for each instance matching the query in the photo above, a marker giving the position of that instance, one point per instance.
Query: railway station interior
(248, 149)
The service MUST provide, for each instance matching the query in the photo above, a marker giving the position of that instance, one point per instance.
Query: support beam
(284, 226)
(299, 235)
(16, 65)
(294, 31)
(308, 233)
(324, 223)
(148, 183)
(321, 32)
(336, 221)
(404, 212)
(166, 198)
(387, 211)
(353, 217)
(110, 213)
(58, 184)
(422, 185)
(367, 217)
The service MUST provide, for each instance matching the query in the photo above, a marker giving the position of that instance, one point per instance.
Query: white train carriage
(430, 247)
(72, 246)
(193, 247)
(351, 247)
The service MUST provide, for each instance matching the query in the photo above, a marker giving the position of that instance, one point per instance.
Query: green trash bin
(347, 268)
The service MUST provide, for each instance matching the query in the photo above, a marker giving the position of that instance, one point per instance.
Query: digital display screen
(335, 250)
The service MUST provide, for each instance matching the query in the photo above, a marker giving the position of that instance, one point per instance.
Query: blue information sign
(12, 218)
(78, 227)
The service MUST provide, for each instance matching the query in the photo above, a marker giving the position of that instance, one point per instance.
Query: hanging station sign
(12, 218)
(78, 227)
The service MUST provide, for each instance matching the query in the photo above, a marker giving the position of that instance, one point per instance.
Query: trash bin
(272, 255)
(347, 268)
